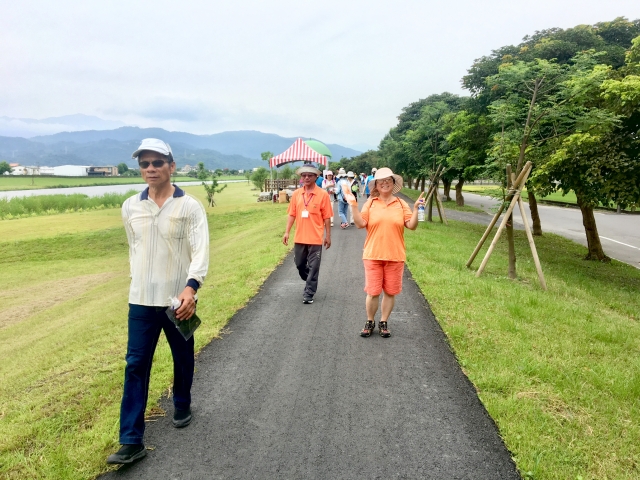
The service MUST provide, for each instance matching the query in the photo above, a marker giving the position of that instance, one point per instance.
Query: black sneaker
(181, 418)
(307, 300)
(127, 454)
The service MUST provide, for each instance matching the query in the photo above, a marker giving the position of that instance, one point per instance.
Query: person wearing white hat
(310, 209)
(353, 188)
(343, 206)
(329, 185)
(169, 257)
(385, 217)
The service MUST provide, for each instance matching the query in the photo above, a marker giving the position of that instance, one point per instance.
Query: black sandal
(368, 328)
(384, 330)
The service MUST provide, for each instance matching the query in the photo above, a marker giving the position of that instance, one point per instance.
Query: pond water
(92, 191)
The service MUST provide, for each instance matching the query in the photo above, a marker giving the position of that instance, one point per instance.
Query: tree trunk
(447, 189)
(408, 181)
(416, 185)
(591, 230)
(459, 197)
(422, 186)
(430, 207)
(535, 217)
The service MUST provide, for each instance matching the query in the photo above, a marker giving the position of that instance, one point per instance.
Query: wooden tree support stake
(518, 185)
(497, 216)
(432, 193)
(532, 245)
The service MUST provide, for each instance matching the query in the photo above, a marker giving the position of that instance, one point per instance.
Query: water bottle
(421, 211)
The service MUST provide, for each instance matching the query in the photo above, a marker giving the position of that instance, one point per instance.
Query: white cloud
(335, 70)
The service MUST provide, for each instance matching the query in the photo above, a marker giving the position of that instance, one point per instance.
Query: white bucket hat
(350, 174)
(386, 173)
(341, 173)
(155, 145)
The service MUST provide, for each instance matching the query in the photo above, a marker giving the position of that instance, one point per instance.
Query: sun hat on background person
(154, 145)
(350, 174)
(341, 173)
(307, 169)
(385, 173)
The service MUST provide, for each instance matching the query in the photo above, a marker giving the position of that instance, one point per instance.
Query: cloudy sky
(339, 71)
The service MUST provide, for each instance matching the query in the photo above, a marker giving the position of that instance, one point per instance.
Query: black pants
(307, 259)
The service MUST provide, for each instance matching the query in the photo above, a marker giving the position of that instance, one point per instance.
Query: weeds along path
(292, 391)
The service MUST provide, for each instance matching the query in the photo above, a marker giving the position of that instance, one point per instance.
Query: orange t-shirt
(385, 229)
(310, 230)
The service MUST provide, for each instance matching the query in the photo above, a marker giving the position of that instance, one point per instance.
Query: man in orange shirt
(310, 209)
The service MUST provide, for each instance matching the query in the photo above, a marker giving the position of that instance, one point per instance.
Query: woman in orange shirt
(385, 217)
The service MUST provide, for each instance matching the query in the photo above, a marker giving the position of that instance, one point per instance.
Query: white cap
(154, 145)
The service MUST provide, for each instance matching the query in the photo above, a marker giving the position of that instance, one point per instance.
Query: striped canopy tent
(298, 152)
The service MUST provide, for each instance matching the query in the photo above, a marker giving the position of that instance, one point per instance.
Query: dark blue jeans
(145, 324)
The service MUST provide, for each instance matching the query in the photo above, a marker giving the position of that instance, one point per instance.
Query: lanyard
(306, 202)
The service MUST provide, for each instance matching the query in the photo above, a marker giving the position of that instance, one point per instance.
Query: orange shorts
(382, 275)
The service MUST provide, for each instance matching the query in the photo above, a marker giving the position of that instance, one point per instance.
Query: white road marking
(625, 244)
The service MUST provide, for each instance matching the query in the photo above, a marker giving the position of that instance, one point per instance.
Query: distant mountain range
(233, 150)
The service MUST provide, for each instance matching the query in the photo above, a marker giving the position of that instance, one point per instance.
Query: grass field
(63, 328)
(558, 371)
(450, 205)
(25, 182)
(495, 191)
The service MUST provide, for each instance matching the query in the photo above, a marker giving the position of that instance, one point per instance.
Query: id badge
(305, 214)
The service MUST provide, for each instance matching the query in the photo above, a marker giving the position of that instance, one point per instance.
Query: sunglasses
(386, 181)
(156, 164)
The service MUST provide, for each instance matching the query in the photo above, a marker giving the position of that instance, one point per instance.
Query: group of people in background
(384, 216)
(334, 185)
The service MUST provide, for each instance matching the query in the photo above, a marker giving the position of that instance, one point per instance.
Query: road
(292, 391)
(619, 232)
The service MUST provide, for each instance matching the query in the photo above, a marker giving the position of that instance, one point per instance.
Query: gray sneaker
(307, 300)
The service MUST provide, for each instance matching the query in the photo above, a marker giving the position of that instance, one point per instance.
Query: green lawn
(63, 344)
(25, 182)
(451, 205)
(558, 371)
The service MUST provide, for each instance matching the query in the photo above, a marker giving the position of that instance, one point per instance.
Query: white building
(71, 171)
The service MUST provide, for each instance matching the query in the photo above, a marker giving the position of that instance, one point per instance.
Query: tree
(4, 167)
(266, 156)
(466, 157)
(259, 176)
(247, 175)
(286, 172)
(201, 172)
(212, 189)
(599, 159)
(122, 168)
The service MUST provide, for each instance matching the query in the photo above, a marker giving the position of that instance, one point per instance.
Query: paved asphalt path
(292, 391)
(619, 232)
